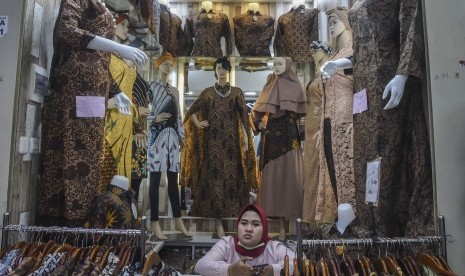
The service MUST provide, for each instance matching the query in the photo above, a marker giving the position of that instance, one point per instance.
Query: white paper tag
(134, 210)
(372, 183)
(360, 102)
(90, 107)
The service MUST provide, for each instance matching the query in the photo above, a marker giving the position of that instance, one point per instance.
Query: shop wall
(446, 43)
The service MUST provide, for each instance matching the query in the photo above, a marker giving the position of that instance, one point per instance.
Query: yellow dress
(117, 145)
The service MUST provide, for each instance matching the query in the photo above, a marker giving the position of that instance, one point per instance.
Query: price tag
(372, 183)
(3, 25)
(360, 102)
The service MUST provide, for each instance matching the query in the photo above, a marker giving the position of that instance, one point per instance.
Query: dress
(172, 37)
(117, 145)
(204, 31)
(71, 146)
(253, 33)
(295, 32)
(220, 174)
(336, 150)
(388, 40)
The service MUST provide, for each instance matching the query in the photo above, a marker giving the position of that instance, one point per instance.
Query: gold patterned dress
(117, 145)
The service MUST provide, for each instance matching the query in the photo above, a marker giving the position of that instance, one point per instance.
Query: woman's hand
(266, 271)
(112, 103)
(240, 268)
(162, 117)
(144, 111)
(141, 139)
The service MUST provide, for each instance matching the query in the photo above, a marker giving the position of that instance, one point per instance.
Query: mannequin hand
(396, 87)
(316, 110)
(162, 117)
(266, 271)
(317, 138)
(112, 103)
(203, 124)
(262, 126)
(144, 111)
(124, 103)
(240, 268)
(329, 68)
(133, 54)
(141, 139)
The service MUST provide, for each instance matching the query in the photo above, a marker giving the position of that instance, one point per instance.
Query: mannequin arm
(329, 68)
(126, 52)
(197, 123)
(396, 88)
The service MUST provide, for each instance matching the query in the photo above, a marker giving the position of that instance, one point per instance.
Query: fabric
(388, 40)
(120, 17)
(173, 194)
(295, 32)
(264, 238)
(24, 267)
(90, 265)
(214, 166)
(65, 268)
(117, 146)
(253, 33)
(223, 254)
(18, 259)
(162, 58)
(204, 31)
(72, 147)
(112, 266)
(165, 137)
(51, 262)
(281, 92)
(6, 261)
(336, 150)
(153, 20)
(172, 36)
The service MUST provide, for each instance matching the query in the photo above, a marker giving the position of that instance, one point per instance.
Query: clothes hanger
(430, 262)
(104, 259)
(152, 260)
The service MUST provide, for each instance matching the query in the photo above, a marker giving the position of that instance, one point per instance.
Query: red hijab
(265, 239)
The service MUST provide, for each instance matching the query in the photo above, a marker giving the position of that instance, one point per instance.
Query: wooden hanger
(124, 260)
(93, 252)
(430, 262)
(360, 268)
(413, 264)
(76, 254)
(103, 262)
(63, 248)
(444, 263)
(152, 260)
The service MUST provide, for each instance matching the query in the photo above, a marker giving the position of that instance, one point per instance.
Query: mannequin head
(340, 14)
(165, 65)
(207, 5)
(122, 27)
(253, 7)
(222, 68)
(336, 26)
(297, 3)
(279, 65)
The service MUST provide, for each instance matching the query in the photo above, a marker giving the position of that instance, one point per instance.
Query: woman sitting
(251, 252)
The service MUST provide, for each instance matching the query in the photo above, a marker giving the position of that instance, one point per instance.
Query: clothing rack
(6, 228)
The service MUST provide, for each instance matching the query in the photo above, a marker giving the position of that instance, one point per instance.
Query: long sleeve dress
(71, 145)
(388, 40)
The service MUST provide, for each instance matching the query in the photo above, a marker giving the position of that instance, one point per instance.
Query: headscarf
(263, 241)
(284, 92)
(321, 45)
(162, 58)
(120, 17)
(341, 14)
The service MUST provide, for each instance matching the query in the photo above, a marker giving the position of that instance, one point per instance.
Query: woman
(219, 159)
(166, 138)
(251, 247)
(276, 114)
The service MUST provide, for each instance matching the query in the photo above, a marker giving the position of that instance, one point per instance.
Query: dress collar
(204, 11)
(250, 12)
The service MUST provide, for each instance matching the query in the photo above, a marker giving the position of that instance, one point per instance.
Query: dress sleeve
(214, 262)
(199, 105)
(314, 20)
(241, 107)
(68, 30)
(190, 34)
(279, 39)
(411, 60)
(227, 35)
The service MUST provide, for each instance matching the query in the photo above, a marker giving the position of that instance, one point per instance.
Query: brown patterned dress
(295, 32)
(388, 40)
(220, 174)
(71, 146)
(253, 33)
(204, 31)
(172, 37)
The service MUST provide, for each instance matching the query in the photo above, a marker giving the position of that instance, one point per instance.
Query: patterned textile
(50, 264)
(89, 265)
(112, 209)
(164, 138)
(336, 150)
(388, 40)
(207, 28)
(117, 145)
(6, 261)
(24, 267)
(253, 33)
(153, 21)
(295, 32)
(71, 146)
(112, 266)
(131, 269)
(220, 174)
(141, 97)
(172, 36)
(65, 268)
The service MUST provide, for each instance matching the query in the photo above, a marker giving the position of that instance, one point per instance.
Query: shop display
(276, 114)
(165, 140)
(172, 37)
(314, 92)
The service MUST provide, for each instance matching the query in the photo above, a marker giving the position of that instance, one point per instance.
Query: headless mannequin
(298, 3)
(207, 6)
(164, 71)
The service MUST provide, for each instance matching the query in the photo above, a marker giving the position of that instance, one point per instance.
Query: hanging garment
(172, 36)
(253, 33)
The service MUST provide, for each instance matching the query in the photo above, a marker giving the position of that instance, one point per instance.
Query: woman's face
(250, 229)
(166, 67)
(220, 71)
(279, 65)
(122, 29)
(336, 27)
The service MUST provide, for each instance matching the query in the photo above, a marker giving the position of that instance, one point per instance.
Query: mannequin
(117, 145)
(394, 80)
(295, 32)
(276, 114)
(219, 159)
(204, 31)
(314, 92)
(172, 37)
(336, 151)
(166, 138)
(71, 145)
(253, 32)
